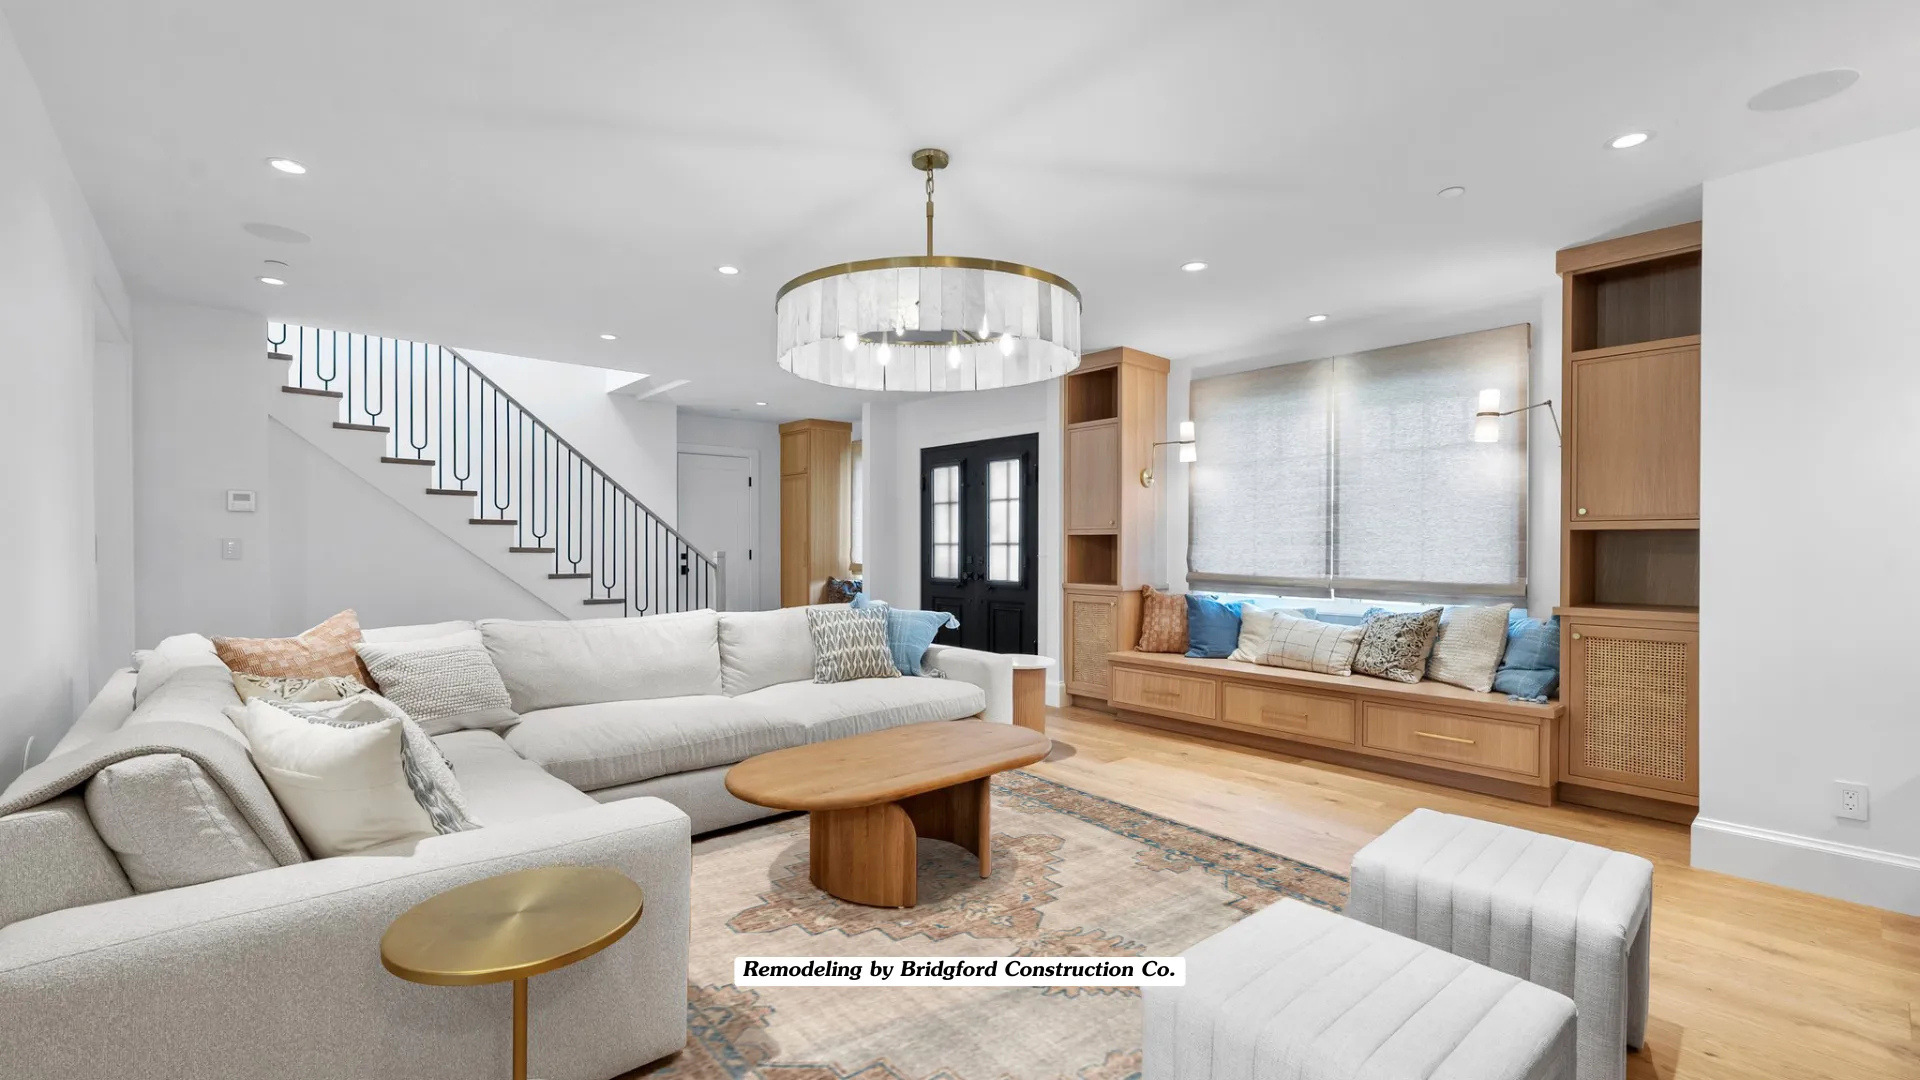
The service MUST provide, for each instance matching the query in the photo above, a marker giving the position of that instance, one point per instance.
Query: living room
(536, 518)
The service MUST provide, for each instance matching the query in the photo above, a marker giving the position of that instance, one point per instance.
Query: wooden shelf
(1656, 613)
(1681, 342)
(1600, 524)
(1083, 425)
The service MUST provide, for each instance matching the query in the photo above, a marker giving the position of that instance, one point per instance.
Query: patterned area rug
(1073, 875)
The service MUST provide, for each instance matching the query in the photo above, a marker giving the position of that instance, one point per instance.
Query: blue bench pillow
(1213, 627)
(1531, 669)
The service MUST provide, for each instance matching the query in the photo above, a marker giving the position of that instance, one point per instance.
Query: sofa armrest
(991, 672)
(279, 971)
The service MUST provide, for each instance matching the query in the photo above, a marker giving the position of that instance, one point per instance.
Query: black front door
(979, 551)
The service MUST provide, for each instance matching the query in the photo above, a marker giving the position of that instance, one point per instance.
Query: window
(1360, 472)
(1003, 520)
(946, 522)
(859, 502)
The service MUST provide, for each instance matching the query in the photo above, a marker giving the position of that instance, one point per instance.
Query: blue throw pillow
(1531, 669)
(909, 632)
(1213, 627)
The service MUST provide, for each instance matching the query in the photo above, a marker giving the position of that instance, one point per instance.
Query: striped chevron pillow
(850, 643)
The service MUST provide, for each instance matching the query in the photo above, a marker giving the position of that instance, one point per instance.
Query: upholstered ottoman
(1302, 993)
(1574, 918)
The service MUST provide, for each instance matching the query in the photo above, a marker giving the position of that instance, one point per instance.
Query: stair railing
(445, 417)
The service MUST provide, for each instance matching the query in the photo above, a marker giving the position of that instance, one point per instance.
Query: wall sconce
(1185, 442)
(1486, 422)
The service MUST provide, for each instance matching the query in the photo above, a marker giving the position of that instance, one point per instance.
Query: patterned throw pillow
(1396, 646)
(444, 684)
(850, 644)
(325, 650)
(428, 774)
(836, 591)
(1310, 645)
(1163, 621)
(1468, 650)
(331, 688)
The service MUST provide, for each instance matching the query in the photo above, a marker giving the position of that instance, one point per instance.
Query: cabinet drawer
(1449, 739)
(1176, 695)
(1287, 714)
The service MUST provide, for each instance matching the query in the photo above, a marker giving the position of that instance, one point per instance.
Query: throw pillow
(836, 591)
(1396, 646)
(1469, 646)
(325, 650)
(330, 688)
(910, 632)
(444, 684)
(1256, 622)
(1531, 669)
(344, 788)
(1308, 645)
(849, 644)
(1163, 621)
(1213, 627)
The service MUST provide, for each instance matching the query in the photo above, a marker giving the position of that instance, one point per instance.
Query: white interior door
(719, 511)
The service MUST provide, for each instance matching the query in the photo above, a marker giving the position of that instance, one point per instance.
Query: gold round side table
(512, 927)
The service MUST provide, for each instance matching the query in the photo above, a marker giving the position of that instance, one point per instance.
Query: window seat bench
(1425, 731)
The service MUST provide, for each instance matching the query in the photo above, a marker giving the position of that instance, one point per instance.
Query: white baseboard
(1861, 875)
(1056, 693)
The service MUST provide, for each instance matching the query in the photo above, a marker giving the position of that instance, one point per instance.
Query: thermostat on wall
(239, 502)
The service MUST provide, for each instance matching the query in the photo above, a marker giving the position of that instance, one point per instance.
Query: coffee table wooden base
(866, 854)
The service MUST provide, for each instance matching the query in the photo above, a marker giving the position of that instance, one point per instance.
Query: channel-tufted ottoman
(1571, 917)
(1298, 992)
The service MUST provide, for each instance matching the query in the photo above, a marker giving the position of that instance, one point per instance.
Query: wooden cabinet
(1091, 628)
(1478, 744)
(1162, 692)
(1287, 714)
(816, 507)
(1635, 438)
(1633, 707)
(1093, 477)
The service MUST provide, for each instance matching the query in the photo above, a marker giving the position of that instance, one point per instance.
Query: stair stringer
(359, 452)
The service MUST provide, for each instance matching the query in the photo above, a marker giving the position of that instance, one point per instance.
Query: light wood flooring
(1749, 980)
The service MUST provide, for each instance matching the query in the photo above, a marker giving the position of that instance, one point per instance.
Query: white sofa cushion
(344, 787)
(835, 710)
(619, 742)
(170, 825)
(387, 635)
(181, 652)
(764, 648)
(500, 786)
(548, 665)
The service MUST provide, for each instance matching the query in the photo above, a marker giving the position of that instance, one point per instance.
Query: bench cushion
(1301, 992)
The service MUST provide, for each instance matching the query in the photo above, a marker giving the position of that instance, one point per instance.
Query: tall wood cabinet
(1114, 409)
(816, 507)
(1630, 551)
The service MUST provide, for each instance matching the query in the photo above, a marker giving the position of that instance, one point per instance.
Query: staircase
(424, 425)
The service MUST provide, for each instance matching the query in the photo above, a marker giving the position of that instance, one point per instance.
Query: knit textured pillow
(1472, 640)
(445, 684)
(325, 650)
(1163, 621)
(850, 643)
(1396, 646)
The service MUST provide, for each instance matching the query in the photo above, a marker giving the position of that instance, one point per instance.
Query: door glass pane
(1003, 513)
(946, 522)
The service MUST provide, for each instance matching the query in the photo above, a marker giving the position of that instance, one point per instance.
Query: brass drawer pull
(1443, 738)
(1274, 714)
(1161, 695)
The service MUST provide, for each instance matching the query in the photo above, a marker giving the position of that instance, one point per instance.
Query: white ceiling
(524, 177)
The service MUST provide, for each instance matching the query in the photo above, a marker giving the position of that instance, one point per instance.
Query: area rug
(1073, 875)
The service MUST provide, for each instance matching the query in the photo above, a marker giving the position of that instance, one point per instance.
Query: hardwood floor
(1749, 980)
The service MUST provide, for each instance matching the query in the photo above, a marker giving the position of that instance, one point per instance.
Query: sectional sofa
(160, 917)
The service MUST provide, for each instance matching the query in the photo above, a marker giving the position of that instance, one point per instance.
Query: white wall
(58, 287)
(762, 437)
(895, 435)
(1541, 311)
(1810, 477)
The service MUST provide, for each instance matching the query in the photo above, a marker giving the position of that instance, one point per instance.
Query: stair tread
(531, 550)
(271, 355)
(405, 460)
(344, 426)
(453, 491)
(569, 577)
(493, 521)
(606, 600)
(311, 392)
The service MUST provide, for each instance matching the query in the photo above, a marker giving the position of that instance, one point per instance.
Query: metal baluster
(417, 405)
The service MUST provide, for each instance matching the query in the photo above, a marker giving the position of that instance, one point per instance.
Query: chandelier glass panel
(928, 323)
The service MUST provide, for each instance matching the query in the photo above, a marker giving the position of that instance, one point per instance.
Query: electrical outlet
(1849, 800)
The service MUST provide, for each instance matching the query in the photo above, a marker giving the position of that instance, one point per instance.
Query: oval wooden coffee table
(869, 797)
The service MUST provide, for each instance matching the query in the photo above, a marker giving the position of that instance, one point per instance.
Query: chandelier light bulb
(953, 356)
(1006, 344)
(884, 353)
(983, 328)
(851, 340)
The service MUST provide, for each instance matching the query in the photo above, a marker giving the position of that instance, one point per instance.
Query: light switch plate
(229, 547)
(1850, 800)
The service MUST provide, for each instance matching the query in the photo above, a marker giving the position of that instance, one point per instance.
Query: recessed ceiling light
(1453, 192)
(729, 270)
(1630, 140)
(609, 337)
(271, 281)
(288, 166)
(1193, 267)
(1804, 90)
(760, 403)
(1316, 318)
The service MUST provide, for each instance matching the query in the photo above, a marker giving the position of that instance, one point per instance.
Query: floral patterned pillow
(1396, 646)
(1163, 621)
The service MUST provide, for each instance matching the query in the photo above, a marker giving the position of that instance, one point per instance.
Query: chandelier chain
(929, 209)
